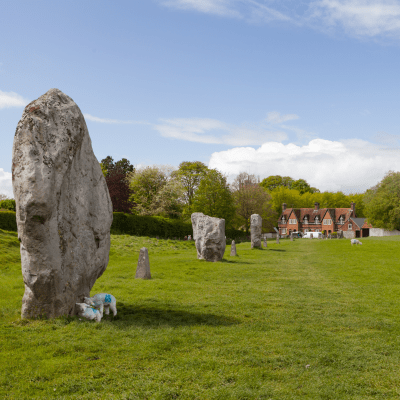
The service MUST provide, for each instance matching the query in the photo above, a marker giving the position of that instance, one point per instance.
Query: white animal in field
(103, 301)
(355, 241)
(89, 312)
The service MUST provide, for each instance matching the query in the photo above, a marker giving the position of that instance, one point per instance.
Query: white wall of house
(349, 234)
(382, 232)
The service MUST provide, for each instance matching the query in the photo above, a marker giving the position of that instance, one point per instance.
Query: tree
(382, 202)
(214, 198)
(108, 165)
(156, 192)
(118, 188)
(116, 174)
(7, 204)
(250, 198)
(275, 181)
(190, 174)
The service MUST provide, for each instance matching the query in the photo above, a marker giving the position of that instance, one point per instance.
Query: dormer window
(316, 220)
(283, 219)
(306, 220)
(341, 220)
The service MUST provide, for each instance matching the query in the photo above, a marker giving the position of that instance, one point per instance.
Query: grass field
(309, 319)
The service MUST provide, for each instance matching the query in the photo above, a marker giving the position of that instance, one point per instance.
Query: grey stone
(277, 239)
(143, 266)
(64, 211)
(209, 235)
(255, 229)
(265, 243)
(233, 248)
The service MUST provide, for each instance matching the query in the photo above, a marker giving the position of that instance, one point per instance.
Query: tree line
(193, 187)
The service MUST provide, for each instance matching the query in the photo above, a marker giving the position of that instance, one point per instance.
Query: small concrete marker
(143, 267)
(233, 248)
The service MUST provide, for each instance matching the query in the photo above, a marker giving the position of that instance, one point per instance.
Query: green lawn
(309, 319)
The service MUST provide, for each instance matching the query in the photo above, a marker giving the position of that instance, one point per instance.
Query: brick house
(322, 219)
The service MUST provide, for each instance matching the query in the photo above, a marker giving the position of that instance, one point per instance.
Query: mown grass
(309, 319)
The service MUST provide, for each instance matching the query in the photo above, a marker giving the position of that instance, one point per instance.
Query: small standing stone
(233, 248)
(265, 242)
(291, 237)
(143, 267)
(277, 238)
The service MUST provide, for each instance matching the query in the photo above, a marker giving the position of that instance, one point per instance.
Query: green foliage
(276, 181)
(189, 174)
(293, 198)
(214, 198)
(146, 225)
(8, 204)
(382, 202)
(250, 198)
(108, 165)
(8, 221)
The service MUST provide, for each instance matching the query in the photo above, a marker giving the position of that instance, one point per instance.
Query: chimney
(316, 206)
(353, 208)
(283, 206)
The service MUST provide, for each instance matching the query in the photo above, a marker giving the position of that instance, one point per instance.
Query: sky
(307, 89)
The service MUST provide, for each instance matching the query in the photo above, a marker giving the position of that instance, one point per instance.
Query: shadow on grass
(276, 250)
(237, 261)
(158, 317)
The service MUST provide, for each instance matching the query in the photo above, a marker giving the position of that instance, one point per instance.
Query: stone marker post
(64, 210)
(277, 238)
(143, 266)
(255, 229)
(265, 242)
(233, 248)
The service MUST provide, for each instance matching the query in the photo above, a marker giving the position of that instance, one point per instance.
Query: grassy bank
(306, 319)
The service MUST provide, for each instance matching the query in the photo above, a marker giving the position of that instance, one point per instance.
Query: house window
(341, 219)
(316, 220)
(283, 219)
(292, 221)
(327, 221)
(305, 220)
(283, 231)
(350, 226)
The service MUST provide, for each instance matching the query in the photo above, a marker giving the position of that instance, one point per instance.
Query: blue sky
(308, 89)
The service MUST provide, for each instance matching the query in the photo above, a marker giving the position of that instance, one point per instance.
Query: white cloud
(276, 118)
(212, 131)
(111, 121)
(6, 183)
(218, 7)
(11, 99)
(250, 10)
(360, 17)
(350, 165)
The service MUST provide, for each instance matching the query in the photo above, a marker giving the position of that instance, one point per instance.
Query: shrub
(8, 204)
(8, 221)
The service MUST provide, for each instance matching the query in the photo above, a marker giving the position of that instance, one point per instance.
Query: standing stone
(277, 238)
(64, 211)
(233, 248)
(291, 237)
(209, 235)
(265, 242)
(143, 266)
(255, 230)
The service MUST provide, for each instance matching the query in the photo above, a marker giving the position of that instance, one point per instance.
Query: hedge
(8, 204)
(139, 225)
(8, 221)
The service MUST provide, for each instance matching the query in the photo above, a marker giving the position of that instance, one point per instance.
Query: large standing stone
(255, 229)
(64, 211)
(143, 266)
(233, 248)
(209, 235)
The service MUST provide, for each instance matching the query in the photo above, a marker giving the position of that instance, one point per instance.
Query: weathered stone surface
(209, 235)
(233, 248)
(255, 229)
(64, 211)
(143, 266)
